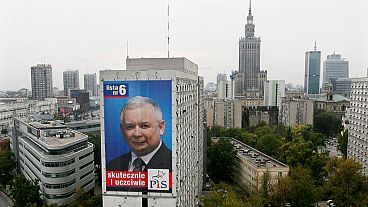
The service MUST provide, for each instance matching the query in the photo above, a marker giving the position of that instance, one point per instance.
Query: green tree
(83, 199)
(222, 161)
(7, 166)
(25, 192)
(298, 189)
(345, 184)
(223, 195)
(343, 142)
(328, 123)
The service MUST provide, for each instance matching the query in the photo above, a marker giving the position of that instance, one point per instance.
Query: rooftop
(255, 157)
(53, 135)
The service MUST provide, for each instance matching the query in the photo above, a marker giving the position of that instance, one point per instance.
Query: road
(3, 201)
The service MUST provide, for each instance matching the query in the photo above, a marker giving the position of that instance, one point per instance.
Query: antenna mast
(127, 50)
(168, 29)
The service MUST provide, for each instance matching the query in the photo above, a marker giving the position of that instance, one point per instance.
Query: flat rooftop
(255, 157)
(55, 136)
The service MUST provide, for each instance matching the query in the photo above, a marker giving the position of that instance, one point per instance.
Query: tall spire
(315, 45)
(249, 27)
(250, 7)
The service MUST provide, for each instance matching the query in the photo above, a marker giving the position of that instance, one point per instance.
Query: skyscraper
(41, 81)
(90, 84)
(250, 75)
(312, 71)
(335, 67)
(70, 80)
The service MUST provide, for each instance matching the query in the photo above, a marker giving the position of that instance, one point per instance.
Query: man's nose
(137, 131)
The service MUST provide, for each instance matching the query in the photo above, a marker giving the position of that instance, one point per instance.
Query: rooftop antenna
(127, 50)
(315, 45)
(168, 29)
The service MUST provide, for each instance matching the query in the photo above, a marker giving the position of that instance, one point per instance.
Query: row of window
(86, 155)
(58, 164)
(58, 175)
(60, 185)
(85, 165)
(59, 196)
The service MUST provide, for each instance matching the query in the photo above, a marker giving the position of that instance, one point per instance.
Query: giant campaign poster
(138, 135)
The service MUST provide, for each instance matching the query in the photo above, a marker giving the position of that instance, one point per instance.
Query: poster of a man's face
(138, 140)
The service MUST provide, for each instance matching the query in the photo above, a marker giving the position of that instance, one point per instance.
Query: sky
(92, 35)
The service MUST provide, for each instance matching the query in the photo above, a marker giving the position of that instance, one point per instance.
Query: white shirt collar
(145, 158)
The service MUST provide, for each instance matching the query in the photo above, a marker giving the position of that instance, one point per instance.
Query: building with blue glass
(312, 71)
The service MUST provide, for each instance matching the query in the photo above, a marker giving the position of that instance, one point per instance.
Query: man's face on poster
(141, 129)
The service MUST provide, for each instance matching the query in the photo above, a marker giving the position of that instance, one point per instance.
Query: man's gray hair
(139, 102)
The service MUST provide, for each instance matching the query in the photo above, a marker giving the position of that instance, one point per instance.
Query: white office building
(335, 67)
(59, 159)
(187, 131)
(357, 116)
(274, 91)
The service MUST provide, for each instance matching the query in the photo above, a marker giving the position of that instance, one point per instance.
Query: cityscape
(264, 111)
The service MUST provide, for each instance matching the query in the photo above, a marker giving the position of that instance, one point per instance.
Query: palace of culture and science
(248, 82)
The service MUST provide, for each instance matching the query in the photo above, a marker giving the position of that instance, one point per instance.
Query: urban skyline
(83, 40)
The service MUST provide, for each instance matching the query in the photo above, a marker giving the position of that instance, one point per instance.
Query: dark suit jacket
(160, 160)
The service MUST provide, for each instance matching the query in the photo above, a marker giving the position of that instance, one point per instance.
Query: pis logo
(158, 179)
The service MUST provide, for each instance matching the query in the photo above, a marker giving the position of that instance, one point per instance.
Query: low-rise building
(59, 159)
(255, 164)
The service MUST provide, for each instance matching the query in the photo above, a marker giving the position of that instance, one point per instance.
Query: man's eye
(145, 126)
(129, 127)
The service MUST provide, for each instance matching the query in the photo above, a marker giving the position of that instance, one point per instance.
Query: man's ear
(161, 126)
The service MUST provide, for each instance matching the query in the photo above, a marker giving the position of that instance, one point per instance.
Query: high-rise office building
(251, 78)
(335, 67)
(357, 116)
(173, 83)
(274, 90)
(312, 71)
(70, 80)
(41, 81)
(90, 84)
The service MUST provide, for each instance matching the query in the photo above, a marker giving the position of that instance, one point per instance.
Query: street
(3, 201)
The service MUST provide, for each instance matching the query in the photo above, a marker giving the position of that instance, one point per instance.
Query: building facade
(274, 91)
(70, 81)
(60, 160)
(296, 111)
(82, 97)
(41, 81)
(227, 113)
(256, 115)
(357, 116)
(90, 84)
(250, 78)
(343, 87)
(187, 131)
(312, 71)
(335, 67)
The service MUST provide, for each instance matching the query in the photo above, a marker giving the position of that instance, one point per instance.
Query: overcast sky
(90, 35)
